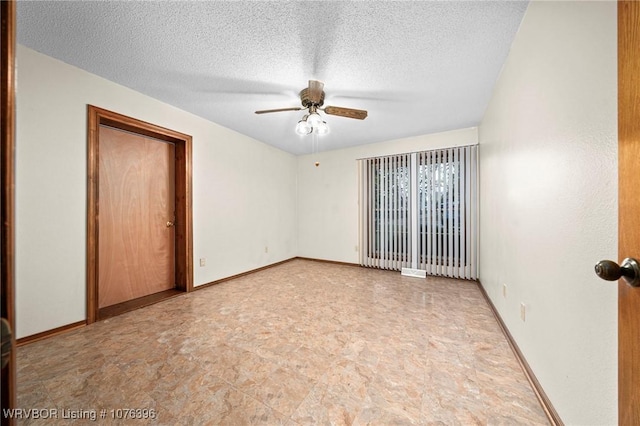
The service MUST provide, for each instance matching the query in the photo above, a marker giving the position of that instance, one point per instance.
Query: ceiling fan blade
(359, 114)
(266, 111)
(315, 91)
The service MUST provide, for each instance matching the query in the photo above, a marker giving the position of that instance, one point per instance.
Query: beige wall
(328, 194)
(548, 185)
(244, 192)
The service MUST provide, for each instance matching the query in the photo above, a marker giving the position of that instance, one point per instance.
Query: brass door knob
(170, 224)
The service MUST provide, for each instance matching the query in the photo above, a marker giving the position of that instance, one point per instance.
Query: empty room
(320, 212)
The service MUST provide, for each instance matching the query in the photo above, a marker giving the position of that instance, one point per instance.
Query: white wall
(548, 192)
(328, 194)
(244, 192)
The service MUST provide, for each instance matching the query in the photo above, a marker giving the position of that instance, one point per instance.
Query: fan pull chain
(314, 146)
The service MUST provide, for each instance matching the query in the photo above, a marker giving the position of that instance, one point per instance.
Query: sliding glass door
(419, 211)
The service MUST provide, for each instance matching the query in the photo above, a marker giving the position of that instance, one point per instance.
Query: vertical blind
(419, 211)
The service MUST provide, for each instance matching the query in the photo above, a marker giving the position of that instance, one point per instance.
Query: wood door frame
(183, 197)
(7, 194)
(628, 207)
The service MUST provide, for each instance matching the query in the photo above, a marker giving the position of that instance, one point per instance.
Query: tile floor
(300, 343)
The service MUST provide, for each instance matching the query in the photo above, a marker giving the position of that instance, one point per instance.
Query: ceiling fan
(312, 99)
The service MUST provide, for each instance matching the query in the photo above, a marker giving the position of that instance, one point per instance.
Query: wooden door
(629, 208)
(136, 242)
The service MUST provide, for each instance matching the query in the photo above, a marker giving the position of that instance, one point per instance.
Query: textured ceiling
(417, 67)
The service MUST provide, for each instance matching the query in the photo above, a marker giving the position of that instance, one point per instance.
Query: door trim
(7, 194)
(183, 190)
(628, 206)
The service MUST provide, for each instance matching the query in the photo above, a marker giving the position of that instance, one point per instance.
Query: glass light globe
(322, 128)
(303, 128)
(314, 119)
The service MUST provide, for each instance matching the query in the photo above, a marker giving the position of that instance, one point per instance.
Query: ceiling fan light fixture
(322, 128)
(314, 119)
(303, 127)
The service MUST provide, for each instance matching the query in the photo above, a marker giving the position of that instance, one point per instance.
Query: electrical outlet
(356, 248)
(266, 249)
(504, 290)
(203, 261)
(523, 311)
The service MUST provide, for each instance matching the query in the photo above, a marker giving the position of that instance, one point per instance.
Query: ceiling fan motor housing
(307, 100)
(312, 98)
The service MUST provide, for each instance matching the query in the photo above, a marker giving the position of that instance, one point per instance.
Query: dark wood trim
(131, 305)
(93, 122)
(628, 206)
(184, 216)
(232, 277)
(50, 333)
(7, 195)
(242, 274)
(544, 400)
(335, 262)
(140, 302)
(183, 188)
